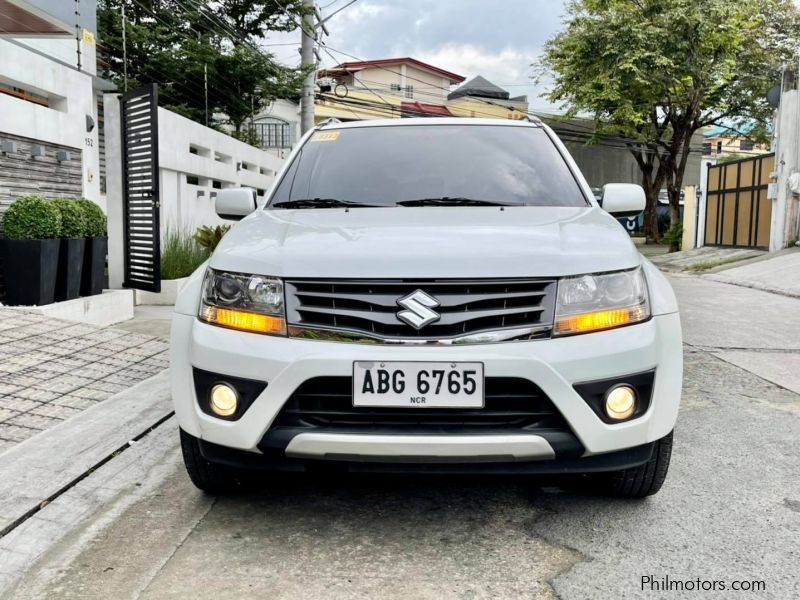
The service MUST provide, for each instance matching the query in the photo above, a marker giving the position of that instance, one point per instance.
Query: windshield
(418, 165)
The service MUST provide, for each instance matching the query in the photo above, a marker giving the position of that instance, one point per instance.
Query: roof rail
(328, 121)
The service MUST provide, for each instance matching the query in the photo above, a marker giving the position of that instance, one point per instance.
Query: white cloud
(503, 67)
(476, 39)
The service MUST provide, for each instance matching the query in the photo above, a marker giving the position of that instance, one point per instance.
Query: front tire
(644, 480)
(210, 477)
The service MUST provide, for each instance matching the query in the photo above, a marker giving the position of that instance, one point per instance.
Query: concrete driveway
(729, 511)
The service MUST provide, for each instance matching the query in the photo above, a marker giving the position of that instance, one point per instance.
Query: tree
(657, 71)
(182, 43)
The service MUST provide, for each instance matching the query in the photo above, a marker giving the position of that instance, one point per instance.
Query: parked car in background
(436, 295)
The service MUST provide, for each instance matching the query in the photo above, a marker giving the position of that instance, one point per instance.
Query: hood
(426, 242)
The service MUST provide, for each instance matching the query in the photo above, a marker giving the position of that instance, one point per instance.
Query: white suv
(435, 295)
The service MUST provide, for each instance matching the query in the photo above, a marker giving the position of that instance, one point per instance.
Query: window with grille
(274, 135)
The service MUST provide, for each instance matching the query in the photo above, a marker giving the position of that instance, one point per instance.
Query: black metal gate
(139, 118)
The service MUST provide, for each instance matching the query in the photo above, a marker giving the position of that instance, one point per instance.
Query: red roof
(363, 64)
(421, 109)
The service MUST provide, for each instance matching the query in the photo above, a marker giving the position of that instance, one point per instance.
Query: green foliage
(726, 158)
(96, 222)
(32, 218)
(674, 237)
(210, 237)
(657, 71)
(179, 45)
(73, 223)
(180, 254)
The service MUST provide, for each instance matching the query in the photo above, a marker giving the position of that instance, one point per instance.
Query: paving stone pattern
(51, 369)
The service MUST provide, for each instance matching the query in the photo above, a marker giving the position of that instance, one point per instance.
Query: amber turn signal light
(599, 320)
(243, 320)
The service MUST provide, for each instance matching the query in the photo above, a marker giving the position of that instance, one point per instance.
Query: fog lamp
(620, 402)
(223, 399)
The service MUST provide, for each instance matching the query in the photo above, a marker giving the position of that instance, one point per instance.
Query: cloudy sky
(498, 40)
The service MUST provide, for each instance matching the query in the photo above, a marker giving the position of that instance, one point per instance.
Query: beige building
(720, 142)
(387, 88)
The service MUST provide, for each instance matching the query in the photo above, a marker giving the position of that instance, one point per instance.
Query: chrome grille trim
(354, 337)
(471, 311)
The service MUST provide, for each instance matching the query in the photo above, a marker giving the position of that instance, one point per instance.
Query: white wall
(787, 162)
(219, 158)
(428, 87)
(184, 205)
(702, 200)
(71, 98)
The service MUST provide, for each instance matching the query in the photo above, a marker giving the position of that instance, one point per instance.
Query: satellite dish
(774, 96)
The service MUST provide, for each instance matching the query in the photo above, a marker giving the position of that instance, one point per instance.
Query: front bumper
(598, 463)
(554, 365)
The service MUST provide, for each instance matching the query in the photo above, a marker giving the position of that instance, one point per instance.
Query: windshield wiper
(448, 201)
(322, 203)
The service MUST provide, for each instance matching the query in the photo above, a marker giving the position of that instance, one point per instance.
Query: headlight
(246, 302)
(595, 302)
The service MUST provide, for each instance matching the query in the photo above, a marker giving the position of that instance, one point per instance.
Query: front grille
(510, 404)
(466, 307)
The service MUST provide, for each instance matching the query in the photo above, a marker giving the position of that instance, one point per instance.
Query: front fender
(662, 297)
(188, 300)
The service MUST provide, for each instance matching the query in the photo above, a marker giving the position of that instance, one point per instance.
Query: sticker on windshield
(325, 136)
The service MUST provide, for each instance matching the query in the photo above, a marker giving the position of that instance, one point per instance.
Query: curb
(751, 285)
(43, 467)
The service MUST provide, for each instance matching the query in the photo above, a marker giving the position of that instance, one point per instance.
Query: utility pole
(78, 30)
(786, 176)
(205, 88)
(124, 49)
(308, 40)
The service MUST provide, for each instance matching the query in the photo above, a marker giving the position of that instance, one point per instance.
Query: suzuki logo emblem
(418, 311)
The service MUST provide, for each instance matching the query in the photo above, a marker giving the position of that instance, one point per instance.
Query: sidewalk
(779, 274)
(708, 258)
(51, 370)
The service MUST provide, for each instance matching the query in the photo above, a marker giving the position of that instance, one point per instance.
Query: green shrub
(73, 225)
(32, 218)
(210, 237)
(96, 222)
(180, 254)
(674, 237)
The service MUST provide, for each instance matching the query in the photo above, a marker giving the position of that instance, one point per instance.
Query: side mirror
(235, 203)
(623, 199)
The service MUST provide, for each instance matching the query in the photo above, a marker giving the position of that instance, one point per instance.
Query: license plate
(418, 384)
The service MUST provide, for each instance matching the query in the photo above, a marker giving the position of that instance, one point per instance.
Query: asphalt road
(729, 511)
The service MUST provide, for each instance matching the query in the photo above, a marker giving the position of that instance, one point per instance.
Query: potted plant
(32, 226)
(70, 257)
(94, 257)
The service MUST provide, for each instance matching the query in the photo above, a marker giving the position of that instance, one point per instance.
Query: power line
(226, 28)
(227, 31)
(391, 111)
(485, 101)
(382, 67)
